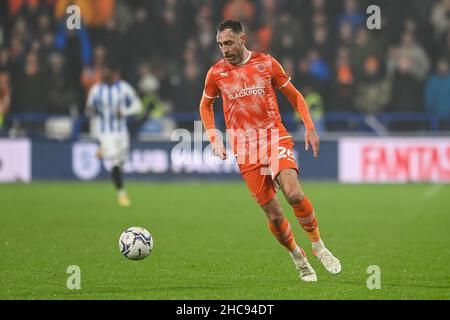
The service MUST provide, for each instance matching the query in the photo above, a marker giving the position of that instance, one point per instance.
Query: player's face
(231, 45)
(107, 74)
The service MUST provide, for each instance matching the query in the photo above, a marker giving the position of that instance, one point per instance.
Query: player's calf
(307, 219)
(282, 231)
(117, 177)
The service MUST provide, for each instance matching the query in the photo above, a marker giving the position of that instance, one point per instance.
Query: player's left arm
(283, 83)
(133, 104)
(298, 102)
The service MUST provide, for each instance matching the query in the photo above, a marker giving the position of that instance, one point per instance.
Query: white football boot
(330, 262)
(306, 272)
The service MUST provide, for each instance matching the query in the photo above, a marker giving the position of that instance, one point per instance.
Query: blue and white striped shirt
(113, 103)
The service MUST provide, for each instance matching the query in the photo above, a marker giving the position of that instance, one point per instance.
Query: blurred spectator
(188, 92)
(264, 32)
(5, 61)
(92, 73)
(109, 37)
(316, 109)
(287, 36)
(28, 9)
(153, 118)
(16, 51)
(440, 19)
(123, 16)
(437, 94)
(288, 64)
(343, 85)
(263, 35)
(243, 10)
(61, 97)
(206, 36)
(372, 92)
(320, 19)
(20, 31)
(345, 35)
(149, 121)
(29, 92)
(172, 34)
(44, 25)
(406, 88)
(47, 45)
(318, 67)
(138, 48)
(410, 50)
(364, 47)
(303, 76)
(323, 43)
(318, 5)
(351, 15)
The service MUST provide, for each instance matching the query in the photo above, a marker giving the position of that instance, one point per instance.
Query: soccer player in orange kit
(247, 81)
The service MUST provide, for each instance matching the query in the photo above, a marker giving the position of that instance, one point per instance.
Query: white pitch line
(433, 191)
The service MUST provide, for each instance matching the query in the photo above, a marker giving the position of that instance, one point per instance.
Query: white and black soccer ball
(136, 243)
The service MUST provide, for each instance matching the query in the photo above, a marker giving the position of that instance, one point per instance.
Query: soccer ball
(136, 243)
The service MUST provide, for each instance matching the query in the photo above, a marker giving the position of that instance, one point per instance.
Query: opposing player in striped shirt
(112, 101)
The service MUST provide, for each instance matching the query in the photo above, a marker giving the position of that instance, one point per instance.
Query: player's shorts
(115, 147)
(261, 181)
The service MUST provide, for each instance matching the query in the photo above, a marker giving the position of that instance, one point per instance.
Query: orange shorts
(261, 180)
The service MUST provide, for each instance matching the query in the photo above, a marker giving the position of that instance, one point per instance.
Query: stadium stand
(355, 79)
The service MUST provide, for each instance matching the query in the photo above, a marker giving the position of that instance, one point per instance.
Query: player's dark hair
(234, 25)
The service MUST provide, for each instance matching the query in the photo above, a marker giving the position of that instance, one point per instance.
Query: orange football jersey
(250, 106)
(248, 92)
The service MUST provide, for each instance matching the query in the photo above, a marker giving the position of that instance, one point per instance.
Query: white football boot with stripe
(330, 262)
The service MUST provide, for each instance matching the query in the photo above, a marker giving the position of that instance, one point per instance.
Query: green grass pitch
(212, 242)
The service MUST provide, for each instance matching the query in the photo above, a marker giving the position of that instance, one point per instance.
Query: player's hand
(312, 138)
(219, 150)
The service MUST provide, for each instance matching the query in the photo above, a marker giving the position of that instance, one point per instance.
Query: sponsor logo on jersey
(247, 92)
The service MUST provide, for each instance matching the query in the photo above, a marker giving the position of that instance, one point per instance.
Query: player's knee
(275, 215)
(294, 196)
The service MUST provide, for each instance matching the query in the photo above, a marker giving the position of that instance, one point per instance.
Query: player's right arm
(206, 109)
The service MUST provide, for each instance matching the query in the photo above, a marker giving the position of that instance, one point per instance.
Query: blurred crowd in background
(165, 48)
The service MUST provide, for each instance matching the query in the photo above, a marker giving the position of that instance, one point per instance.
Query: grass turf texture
(212, 242)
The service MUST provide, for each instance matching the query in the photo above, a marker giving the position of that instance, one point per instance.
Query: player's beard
(235, 58)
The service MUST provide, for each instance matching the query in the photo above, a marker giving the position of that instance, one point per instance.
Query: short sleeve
(130, 94)
(279, 77)
(211, 89)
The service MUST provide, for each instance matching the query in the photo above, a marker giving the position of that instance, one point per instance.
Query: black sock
(116, 175)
